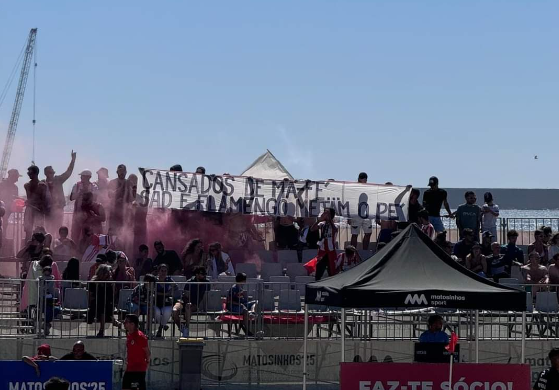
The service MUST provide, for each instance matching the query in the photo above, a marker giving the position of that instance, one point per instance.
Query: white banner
(238, 194)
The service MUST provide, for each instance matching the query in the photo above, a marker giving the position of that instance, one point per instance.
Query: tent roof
(413, 271)
(267, 166)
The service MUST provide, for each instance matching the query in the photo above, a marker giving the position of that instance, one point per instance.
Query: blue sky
(465, 90)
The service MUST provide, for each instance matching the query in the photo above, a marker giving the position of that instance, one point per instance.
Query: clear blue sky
(465, 90)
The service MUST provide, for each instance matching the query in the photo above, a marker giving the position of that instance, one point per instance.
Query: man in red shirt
(138, 355)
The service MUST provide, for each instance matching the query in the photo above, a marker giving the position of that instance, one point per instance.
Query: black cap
(363, 175)
(433, 180)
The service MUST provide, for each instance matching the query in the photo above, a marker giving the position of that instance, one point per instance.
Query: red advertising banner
(415, 376)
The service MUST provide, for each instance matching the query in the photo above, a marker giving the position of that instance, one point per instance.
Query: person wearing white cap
(80, 188)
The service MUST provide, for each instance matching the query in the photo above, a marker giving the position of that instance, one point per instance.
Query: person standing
(414, 206)
(138, 214)
(90, 217)
(103, 187)
(468, 215)
(326, 257)
(55, 184)
(9, 191)
(490, 213)
(549, 378)
(37, 205)
(120, 194)
(79, 189)
(361, 224)
(137, 355)
(433, 200)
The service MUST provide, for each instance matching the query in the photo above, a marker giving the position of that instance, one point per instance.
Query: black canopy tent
(412, 272)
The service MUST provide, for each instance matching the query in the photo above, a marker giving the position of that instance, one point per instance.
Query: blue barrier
(86, 375)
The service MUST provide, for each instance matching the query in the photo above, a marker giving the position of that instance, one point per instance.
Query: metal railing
(13, 230)
(266, 310)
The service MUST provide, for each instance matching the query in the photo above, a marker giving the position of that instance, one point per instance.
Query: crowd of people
(112, 208)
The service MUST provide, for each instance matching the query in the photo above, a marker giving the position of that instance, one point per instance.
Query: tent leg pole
(477, 336)
(523, 344)
(305, 347)
(343, 335)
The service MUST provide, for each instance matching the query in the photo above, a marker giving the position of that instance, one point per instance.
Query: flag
(311, 265)
(99, 244)
(452, 343)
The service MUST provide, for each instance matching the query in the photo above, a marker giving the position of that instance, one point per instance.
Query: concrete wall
(239, 363)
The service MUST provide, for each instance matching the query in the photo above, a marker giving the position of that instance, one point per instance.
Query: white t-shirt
(489, 220)
(328, 236)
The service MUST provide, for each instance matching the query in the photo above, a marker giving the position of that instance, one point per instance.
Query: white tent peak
(267, 166)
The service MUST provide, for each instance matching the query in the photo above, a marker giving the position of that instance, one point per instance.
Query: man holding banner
(326, 258)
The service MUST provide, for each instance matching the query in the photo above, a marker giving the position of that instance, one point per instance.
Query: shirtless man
(534, 272)
(79, 189)
(9, 191)
(92, 215)
(103, 187)
(120, 194)
(37, 203)
(58, 201)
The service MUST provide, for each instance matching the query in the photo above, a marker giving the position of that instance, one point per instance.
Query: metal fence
(264, 310)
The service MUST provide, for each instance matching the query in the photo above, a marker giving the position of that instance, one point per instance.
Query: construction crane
(10, 136)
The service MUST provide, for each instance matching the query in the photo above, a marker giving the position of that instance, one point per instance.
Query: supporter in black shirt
(464, 247)
(549, 379)
(487, 240)
(414, 206)
(169, 257)
(78, 353)
(433, 199)
(497, 264)
(192, 299)
(513, 254)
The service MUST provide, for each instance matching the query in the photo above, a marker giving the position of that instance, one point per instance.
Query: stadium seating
(266, 302)
(248, 268)
(516, 273)
(510, 282)
(254, 287)
(289, 300)
(546, 306)
(309, 254)
(287, 257)
(123, 300)
(265, 256)
(214, 303)
(271, 269)
(225, 283)
(301, 283)
(279, 283)
(75, 300)
(296, 269)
